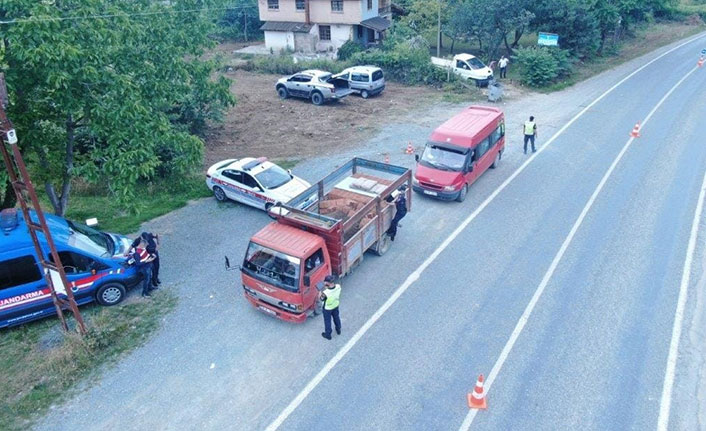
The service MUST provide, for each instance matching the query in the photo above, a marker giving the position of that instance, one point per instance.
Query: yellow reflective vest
(529, 127)
(332, 297)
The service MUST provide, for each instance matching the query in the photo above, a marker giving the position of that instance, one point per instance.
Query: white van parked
(364, 80)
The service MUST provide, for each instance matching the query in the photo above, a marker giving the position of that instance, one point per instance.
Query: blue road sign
(547, 39)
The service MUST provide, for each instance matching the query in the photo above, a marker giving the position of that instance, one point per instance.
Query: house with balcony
(311, 26)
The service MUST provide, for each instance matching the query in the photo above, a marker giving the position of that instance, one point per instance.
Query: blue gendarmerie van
(94, 262)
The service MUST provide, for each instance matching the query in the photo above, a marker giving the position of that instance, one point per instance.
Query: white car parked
(255, 182)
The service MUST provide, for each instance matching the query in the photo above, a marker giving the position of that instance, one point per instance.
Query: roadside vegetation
(42, 365)
(593, 36)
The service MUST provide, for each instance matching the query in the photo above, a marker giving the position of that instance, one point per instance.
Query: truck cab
(282, 267)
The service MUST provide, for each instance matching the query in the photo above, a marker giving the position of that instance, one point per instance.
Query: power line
(118, 15)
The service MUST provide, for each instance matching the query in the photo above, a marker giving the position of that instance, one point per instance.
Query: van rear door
(23, 291)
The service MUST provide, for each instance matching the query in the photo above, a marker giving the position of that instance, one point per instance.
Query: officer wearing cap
(330, 295)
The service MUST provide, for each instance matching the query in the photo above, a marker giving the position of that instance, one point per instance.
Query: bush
(348, 49)
(407, 62)
(540, 66)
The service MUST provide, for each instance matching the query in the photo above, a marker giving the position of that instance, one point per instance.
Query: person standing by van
(530, 131)
(331, 295)
(143, 261)
(152, 248)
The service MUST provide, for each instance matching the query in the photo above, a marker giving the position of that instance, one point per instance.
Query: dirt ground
(263, 125)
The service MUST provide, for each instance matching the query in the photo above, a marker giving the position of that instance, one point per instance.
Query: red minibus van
(459, 151)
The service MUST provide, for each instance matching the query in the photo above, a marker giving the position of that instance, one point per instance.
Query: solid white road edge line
(414, 276)
(666, 401)
(557, 258)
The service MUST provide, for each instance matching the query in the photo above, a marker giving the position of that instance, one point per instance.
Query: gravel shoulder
(219, 364)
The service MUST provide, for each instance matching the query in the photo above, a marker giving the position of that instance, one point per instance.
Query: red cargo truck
(325, 230)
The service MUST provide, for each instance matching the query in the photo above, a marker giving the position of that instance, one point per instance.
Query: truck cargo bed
(348, 208)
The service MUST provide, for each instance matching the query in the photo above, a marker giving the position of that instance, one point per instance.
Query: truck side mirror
(416, 157)
(307, 281)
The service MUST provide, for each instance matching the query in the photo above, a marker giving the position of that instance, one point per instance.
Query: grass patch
(42, 365)
(156, 199)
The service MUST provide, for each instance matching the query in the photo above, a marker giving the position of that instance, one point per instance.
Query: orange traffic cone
(409, 149)
(636, 130)
(476, 399)
(387, 159)
(700, 62)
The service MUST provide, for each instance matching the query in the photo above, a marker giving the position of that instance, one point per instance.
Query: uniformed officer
(330, 295)
(143, 260)
(152, 246)
(530, 131)
(400, 212)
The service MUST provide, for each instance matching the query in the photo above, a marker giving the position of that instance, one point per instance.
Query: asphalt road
(592, 354)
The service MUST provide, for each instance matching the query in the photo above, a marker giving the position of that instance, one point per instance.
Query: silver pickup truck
(317, 85)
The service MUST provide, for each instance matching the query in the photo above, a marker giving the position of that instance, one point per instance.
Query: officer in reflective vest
(330, 295)
(530, 130)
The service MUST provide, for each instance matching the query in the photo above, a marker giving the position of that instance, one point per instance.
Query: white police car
(255, 182)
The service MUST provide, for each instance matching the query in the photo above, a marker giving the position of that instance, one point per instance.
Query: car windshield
(90, 240)
(273, 177)
(444, 158)
(475, 63)
(272, 267)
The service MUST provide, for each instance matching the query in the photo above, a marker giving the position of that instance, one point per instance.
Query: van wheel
(462, 196)
(496, 161)
(282, 93)
(110, 294)
(364, 94)
(219, 194)
(383, 244)
(317, 98)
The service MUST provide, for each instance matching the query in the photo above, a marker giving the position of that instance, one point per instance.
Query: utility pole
(53, 271)
(438, 38)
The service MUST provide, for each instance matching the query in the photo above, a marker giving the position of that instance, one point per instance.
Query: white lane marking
(414, 276)
(557, 258)
(666, 401)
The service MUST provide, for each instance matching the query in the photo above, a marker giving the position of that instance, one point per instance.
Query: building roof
(296, 27)
(377, 23)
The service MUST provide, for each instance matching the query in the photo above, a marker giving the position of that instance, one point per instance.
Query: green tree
(490, 22)
(573, 20)
(241, 21)
(109, 90)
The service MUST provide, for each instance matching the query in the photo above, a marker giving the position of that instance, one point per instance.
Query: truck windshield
(444, 158)
(273, 177)
(475, 63)
(272, 267)
(90, 240)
